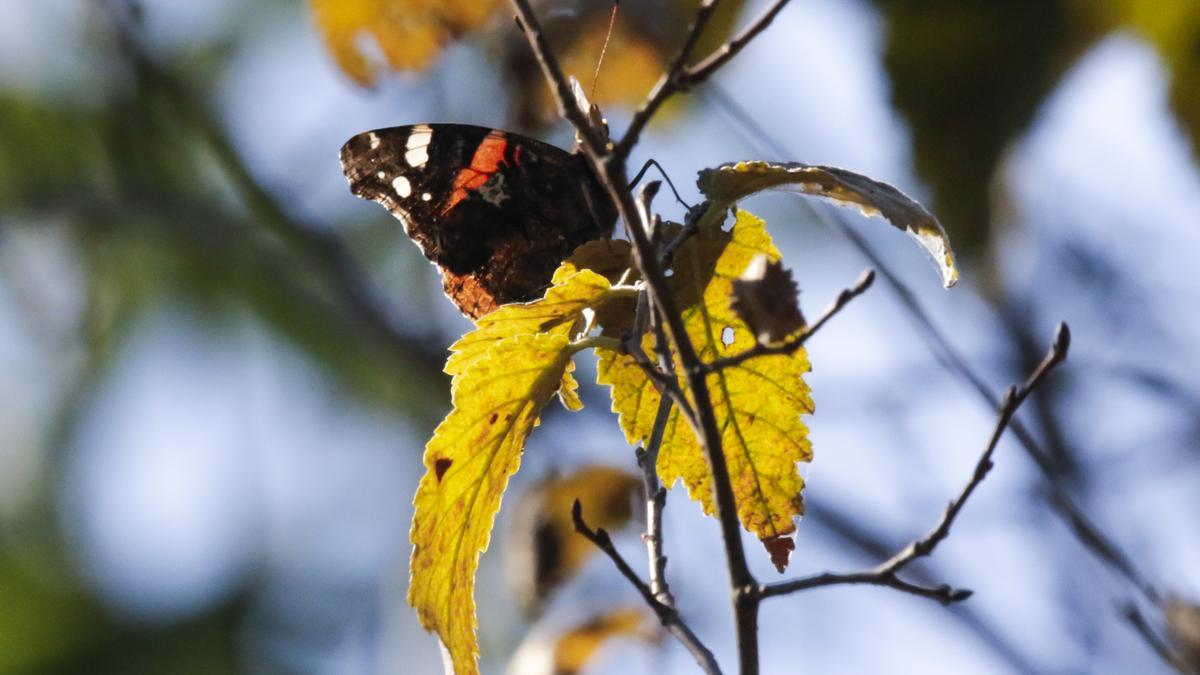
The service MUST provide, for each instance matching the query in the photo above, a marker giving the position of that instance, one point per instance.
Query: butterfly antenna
(646, 167)
(612, 23)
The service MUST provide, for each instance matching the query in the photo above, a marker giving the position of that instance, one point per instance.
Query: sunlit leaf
(730, 183)
(497, 401)
(560, 310)
(758, 404)
(542, 549)
(404, 34)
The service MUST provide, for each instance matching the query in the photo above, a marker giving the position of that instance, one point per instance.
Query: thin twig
(670, 619)
(670, 82)
(656, 500)
(1085, 530)
(681, 77)
(792, 344)
(943, 594)
(721, 55)
(886, 574)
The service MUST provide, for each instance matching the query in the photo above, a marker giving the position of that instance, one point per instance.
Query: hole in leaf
(727, 336)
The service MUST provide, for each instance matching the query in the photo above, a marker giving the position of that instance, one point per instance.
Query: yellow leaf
(758, 403)
(730, 183)
(468, 462)
(558, 312)
(542, 550)
(406, 33)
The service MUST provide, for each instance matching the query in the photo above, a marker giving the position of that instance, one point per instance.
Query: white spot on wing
(373, 139)
(426, 197)
(402, 186)
(380, 175)
(417, 146)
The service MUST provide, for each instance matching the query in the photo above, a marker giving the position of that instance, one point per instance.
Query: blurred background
(218, 368)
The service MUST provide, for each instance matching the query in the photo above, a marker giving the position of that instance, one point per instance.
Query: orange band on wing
(486, 161)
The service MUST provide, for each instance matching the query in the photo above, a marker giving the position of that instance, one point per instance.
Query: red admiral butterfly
(496, 212)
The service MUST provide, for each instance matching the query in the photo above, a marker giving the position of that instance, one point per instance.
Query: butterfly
(495, 211)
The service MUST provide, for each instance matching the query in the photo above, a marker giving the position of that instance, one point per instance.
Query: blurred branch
(1134, 616)
(792, 344)
(667, 614)
(886, 574)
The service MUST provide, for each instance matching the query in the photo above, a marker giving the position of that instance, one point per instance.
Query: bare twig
(792, 344)
(656, 500)
(1085, 530)
(943, 594)
(722, 55)
(610, 170)
(681, 77)
(666, 614)
(886, 573)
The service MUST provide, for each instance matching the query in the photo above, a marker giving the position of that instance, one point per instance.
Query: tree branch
(681, 77)
(610, 170)
(886, 574)
(670, 619)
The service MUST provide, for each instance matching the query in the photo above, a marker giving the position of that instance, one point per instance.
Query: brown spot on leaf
(440, 466)
(492, 419)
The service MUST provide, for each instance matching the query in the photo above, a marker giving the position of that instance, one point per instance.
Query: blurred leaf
(646, 35)
(578, 646)
(50, 156)
(569, 650)
(497, 402)
(968, 76)
(543, 550)
(1183, 624)
(762, 435)
(407, 34)
(730, 183)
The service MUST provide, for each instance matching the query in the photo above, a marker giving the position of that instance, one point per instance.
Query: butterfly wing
(496, 212)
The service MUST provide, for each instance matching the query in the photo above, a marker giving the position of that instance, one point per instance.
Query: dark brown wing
(496, 212)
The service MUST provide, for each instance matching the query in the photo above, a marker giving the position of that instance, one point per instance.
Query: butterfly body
(496, 212)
